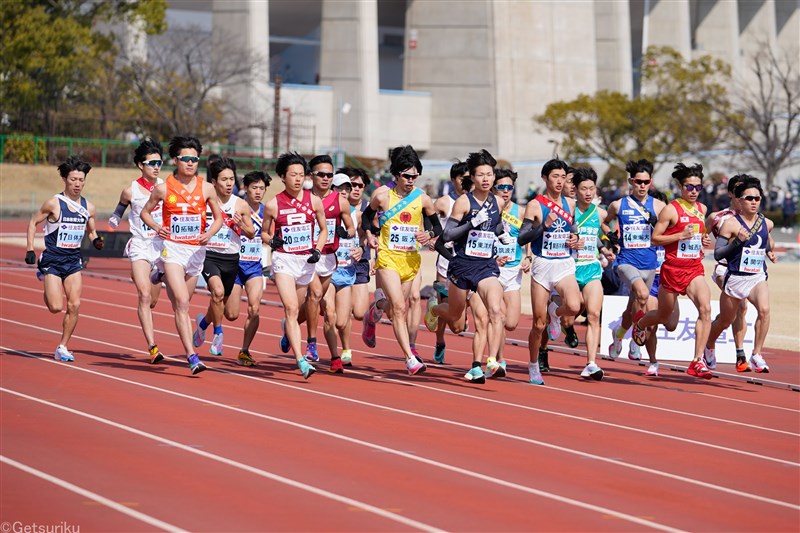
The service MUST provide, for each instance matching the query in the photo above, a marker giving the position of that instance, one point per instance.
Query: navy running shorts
(467, 274)
(60, 265)
(362, 272)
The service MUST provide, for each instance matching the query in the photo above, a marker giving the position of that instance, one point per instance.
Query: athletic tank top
(251, 250)
(63, 237)
(686, 252)
(511, 225)
(398, 234)
(343, 257)
(295, 222)
(184, 212)
(333, 218)
(479, 243)
(636, 249)
(552, 244)
(749, 259)
(588, 229)
(138, 198)
(225, 241)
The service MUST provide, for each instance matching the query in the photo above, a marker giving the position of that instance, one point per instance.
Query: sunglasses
(357, 185)
(691, 188)
(410, 177)
(641, 182)
(323, 174)
(155, 163)
(751, 198)
(504, 187)
(188, 159)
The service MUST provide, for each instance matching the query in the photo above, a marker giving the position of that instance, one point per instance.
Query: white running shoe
(216, 344)
(634, 352)
(199, 336)
(592, 371)
(415, 366)
(534, 375)
(652, 370)
(554, 327)
(615, 348)
(710, 358)
(758, 364)
(62, 354)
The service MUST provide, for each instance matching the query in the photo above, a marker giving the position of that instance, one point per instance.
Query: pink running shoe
(699, 369)
(414, 366)
(368, 335)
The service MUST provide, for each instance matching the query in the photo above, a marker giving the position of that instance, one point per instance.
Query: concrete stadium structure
(453, 76)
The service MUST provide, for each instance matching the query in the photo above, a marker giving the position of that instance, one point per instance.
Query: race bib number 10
(183, 228)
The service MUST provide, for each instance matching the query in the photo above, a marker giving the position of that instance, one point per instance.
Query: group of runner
(326, 242)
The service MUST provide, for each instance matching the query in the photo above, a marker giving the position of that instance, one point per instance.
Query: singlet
(552, 244)
(635, 246)
(225, 241)
(511, 224)
(343, 257)
(588, 231)
(688, 252)
(333, 217)
(251, 250)
(478, 244)
(294, 223)
(63, 237)
(138, 198)
(184, 212)
(398, 234)
(749, 259)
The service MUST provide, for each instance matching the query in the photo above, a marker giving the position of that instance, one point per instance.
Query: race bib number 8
(479, 244)
(636, 236)
(250, 250)
(752, 260)
(296, 238)
(70, 236)
(554, 244)
(183, 228)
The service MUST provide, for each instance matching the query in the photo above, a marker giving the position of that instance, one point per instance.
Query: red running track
(111, 443)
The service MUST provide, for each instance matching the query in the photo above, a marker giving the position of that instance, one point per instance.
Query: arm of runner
(456, 226)
(245, 221)
(213, 203)
(47, 209)
(124, 202)
(156, 196)
(442, 249)
(322, 237)
(667, 219)
(529, 232)
(611, 214)
(347, 220)
(268, 236)
(91, 227)
(728, 241)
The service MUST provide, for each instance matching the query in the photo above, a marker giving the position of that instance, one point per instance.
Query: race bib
(330, 223)
(70, 236)
(221, 239)
(691, 248)
(554, 244)
(635, 236)
(296, 238)
(589, 252)
(661, 254)
(507, 250)
(479, 244)
(250, 250)
(752, 260)
(157, 215)
(402, 237)
(344, 251)
(183, 228)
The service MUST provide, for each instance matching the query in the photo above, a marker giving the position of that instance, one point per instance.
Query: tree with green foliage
(679, 113)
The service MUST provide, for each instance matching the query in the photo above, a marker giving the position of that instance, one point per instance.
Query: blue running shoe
(311, 352)
(284, 338)
(475, 375)
(306, 369)
(195, 364)
(438, 354)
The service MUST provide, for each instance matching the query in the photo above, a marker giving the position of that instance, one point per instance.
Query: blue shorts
(656, 284)
(362, 272)
(59, 264)
(586, 273)
(467, 274)
(344, 277)
(247, 271)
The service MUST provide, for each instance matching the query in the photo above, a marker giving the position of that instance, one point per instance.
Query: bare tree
(765, 122)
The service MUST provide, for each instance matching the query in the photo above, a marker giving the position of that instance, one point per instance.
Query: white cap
(340, 179)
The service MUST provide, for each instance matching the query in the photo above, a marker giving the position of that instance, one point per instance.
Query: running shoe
(571, 338)
(438, 353)
(368, 333)
(311, 352)
(652, 370)
(699, 369)
(742, 366)
(592, 371)
(495, 369)
(440, 288)
(634, 352)
(39, 275)
(615, 348)
(414, 366)
(534, 375)
(305, 368)
(431, 320)
(156, 276)
(245, 359)
(155, 355)
(554, 327)
(638, 335)
(216, 344)
(336, 366)
(284, 339)
(475, 375)
(195, 364)
(199, 336)
(416, 354)
(544, 363)
(62, 354)
(710, 358)
(758, 364)
(347, 357)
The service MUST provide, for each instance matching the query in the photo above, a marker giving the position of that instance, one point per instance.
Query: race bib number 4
(635, 236)
(70, 236)
(554, 244)
(296, 238)
(691, 248)
(183, 228)
(402, 237)
(479, 244)
(752, 260)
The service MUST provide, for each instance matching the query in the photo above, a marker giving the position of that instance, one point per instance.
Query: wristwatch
(529, 258)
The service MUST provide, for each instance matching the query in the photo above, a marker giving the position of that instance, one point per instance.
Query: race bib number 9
(752, 260)
(636, 236)
(691, 248)
(296, 238)
(479, 244)
(554, 244)
(184, 228)
(402, 237)
(70, 236)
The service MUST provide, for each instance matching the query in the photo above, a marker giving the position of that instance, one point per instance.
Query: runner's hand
(743, 234)
(98, 243)
(342, 232)
(687, 232)
(479, 218)
(163, 232)
(113, 221)
(551, 219)
(314, 257)
(356, 253)
(653, 220)
(505, 238)
(276, 242)
(30, 257)
(772, 257)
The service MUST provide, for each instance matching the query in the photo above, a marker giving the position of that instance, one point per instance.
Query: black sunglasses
(155, 163)
(410, 177)
(323, 174)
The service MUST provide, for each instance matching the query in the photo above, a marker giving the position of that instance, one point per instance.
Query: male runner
(364, 266)
(68, 216)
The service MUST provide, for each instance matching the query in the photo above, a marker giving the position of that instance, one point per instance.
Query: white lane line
(236, 464)
(102, 500)
(727, 490)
